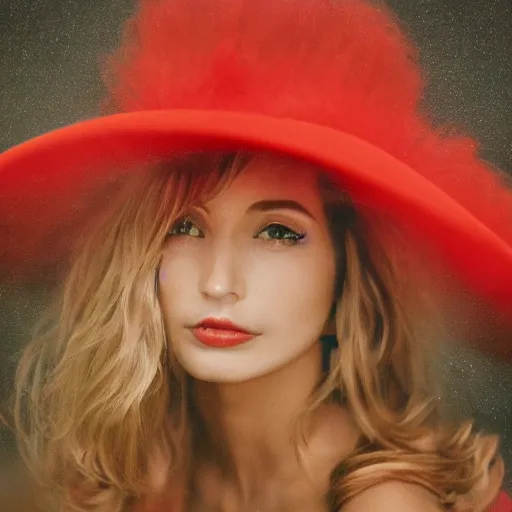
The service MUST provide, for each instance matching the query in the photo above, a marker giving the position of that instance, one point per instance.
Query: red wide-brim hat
(333, 83)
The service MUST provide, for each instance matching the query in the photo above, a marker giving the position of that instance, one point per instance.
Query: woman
(281, 164)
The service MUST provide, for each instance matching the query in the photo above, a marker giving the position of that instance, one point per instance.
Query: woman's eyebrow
(279, 204)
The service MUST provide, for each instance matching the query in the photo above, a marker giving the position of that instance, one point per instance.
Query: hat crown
(341, 63)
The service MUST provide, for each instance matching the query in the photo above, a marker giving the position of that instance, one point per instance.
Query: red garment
(502, 504)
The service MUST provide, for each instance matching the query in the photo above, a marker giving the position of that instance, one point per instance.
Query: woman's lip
(221, 338)
(221, 324)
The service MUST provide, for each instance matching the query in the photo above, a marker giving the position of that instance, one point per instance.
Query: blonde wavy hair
(100, 401)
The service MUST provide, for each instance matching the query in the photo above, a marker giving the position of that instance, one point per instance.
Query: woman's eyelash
(280, 233)
(185, 227)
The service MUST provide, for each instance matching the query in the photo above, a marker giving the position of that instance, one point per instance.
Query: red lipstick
(221, 333)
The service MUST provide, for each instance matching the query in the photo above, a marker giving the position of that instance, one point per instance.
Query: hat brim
(41, 178)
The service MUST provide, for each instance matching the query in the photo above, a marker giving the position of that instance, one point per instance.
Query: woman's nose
(222, 273)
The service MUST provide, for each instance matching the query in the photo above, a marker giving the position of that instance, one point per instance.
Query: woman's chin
(223, 366)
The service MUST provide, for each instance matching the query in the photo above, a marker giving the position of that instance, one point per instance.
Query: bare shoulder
(394, 497)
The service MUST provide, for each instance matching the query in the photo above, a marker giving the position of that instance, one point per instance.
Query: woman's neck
(247, 430)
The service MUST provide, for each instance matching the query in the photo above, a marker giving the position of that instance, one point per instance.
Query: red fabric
(502, 504)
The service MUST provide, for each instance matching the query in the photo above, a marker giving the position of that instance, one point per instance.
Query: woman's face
(258, 255)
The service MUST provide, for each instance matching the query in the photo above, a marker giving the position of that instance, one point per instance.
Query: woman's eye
(185, 227)
(280, 233)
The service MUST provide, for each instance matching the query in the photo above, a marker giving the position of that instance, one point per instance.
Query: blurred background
(49, 55)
